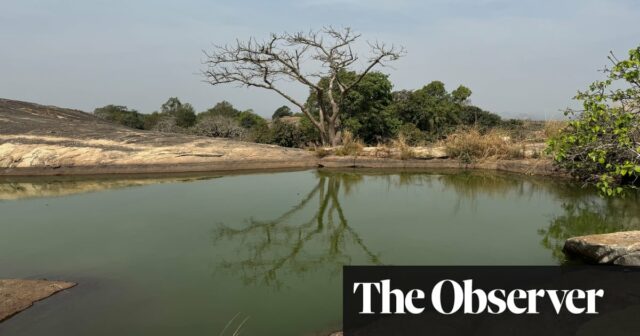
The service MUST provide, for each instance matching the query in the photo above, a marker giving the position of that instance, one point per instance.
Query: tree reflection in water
(584, 212)
(590, 215)
(283, 245)
(287, 244)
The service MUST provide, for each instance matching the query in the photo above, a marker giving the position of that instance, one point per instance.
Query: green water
(185, 256)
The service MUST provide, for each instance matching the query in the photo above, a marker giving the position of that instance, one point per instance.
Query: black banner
(491, 300)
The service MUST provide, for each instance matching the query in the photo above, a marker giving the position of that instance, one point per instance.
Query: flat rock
(47, 140)
(619, 248)
(17, 295)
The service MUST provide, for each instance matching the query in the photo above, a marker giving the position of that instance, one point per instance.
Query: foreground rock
(619, 248)
(17, 295)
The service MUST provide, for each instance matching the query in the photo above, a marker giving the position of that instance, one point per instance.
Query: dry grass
(322, 152)
(406, 152)
(350, 145)
(553, 127)
(470, 145)
(382, 151)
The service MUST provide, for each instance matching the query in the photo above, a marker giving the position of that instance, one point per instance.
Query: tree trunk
(324, 137)
(331, 130)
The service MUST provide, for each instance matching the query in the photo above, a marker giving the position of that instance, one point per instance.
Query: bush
(286, 134)
(120, 115)
(167, 124)
(260, 134)
(553, 128)
(184, 114)
(150, 120)
(470, 145)
(412, 135)
(309, 131)
(350, 146)
(248, 119)
(475, 116)
(601, 144)
(406, 152)
(282, 111)
(219, 126)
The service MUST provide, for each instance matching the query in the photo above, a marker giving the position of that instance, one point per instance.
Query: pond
(263, 252)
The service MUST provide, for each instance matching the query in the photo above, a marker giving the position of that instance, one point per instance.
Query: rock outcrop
(17, 295)
(619, 248)
(46, 140)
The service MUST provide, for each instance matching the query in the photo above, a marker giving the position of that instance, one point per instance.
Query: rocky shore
(17, 295)
(40, 140)
(618, 248)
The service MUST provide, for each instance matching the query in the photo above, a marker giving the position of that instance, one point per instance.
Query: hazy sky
(519, 57)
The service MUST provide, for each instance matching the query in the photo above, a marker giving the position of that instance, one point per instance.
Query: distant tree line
(371, 112)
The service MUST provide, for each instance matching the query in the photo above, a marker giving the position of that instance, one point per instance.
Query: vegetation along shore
(46, 140)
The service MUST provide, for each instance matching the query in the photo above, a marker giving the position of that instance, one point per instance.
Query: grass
(322, 152)
(406, 152)
(350, 145)
(470, 145)
(553, 127)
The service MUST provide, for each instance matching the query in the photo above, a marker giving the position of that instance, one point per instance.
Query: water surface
(188, 256)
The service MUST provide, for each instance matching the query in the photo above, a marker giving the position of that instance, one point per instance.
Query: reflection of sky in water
(172, 257)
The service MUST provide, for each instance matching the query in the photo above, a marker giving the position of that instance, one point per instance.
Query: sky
(520, 58)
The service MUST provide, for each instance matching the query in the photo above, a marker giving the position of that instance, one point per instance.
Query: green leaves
(601, 145)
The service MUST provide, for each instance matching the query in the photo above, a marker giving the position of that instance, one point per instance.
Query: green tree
(282, 111)
(436, 111)
(601, 144)
(223, 108)
(249, 120)
(473, 115)
(432, 109)
(286, 134)
(150, 120)
(461, 94)
(365, 108)
(184, 114)
(120, 115)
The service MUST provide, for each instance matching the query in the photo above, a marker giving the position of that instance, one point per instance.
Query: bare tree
(263, 64)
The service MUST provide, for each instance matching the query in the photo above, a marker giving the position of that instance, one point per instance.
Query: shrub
(120, 115)
(406, 152)
(601, 144)
(219, 126)
(309, 131)
(350, 146)
(260, 134)
(167, 124)
(150, 120)
(322, 152)
(282, 111)
(248, 119)
(286, 134)
(553, 128)
(411, 134)
(470, 145)
(184, 114)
